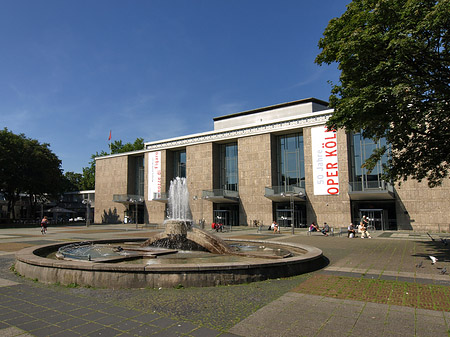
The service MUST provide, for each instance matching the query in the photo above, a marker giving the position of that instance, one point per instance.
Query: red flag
(109, 135)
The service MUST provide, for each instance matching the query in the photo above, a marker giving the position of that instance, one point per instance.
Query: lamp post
(291, 196)
(87, 202)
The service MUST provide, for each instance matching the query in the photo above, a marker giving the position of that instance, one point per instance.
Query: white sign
(325, 161)
(154, 174)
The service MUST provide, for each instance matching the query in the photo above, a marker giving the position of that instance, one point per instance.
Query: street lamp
(291, 196)
(87, 202)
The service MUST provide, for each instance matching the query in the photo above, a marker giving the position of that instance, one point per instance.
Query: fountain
(180, 255)
(179, 232)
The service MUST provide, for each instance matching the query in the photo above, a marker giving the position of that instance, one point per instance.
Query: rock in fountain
(179, 232)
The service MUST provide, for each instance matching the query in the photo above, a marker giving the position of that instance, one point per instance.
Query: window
(362, 148)
(229, 167)
(291, 161)
(179, 164)
(139, 172)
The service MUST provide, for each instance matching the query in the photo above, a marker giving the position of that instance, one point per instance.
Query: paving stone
(4, 325)
(144, 330)
(56, 318)
(205, 332)
(71, 323)
(88, 328)
(109, 320)
(93, 316)
(65, 333)
(106, 332)
(126, 325)
(46, 331)
(13, 331)
(181, 328)
(163, 322)
(145, 317)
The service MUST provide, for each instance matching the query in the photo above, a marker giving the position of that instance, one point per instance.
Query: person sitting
(362, 229)
(325, 229)
(351, 231)
(314, 227)
(276, 228)
(272, 226)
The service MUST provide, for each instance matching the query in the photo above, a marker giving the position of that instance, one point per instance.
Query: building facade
(274, 163)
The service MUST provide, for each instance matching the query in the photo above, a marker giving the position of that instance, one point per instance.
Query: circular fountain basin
(34, 262)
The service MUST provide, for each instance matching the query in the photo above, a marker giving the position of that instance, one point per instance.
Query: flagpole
(109, 140)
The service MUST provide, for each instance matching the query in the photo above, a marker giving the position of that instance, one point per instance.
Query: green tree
(73, 181)
(88, 179)
(394, 60)
(27, 166)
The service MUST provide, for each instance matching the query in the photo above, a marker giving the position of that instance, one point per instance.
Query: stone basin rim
(30, 263)
(30, 255)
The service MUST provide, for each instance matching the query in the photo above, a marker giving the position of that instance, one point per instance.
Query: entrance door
(283, 215)
(376, 218)
(226, 214)
(221, 217)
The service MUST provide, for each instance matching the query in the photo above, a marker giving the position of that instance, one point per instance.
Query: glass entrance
(226, 214)
(376, 217)
(283, 215)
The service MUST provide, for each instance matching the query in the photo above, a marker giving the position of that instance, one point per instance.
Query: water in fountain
(179, 201)
(179, 232)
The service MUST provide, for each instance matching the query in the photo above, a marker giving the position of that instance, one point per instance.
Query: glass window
(362, 149)
(179, 164)
(139, 183)
(291, 162)
(229, 166)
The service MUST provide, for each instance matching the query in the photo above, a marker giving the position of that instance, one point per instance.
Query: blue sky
(72, 70)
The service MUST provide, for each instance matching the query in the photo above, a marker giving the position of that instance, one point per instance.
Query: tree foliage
(27, 166)
(394, 60)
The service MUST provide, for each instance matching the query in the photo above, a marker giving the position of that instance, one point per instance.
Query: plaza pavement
(269, 308)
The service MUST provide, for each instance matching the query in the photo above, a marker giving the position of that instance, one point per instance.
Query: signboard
(325, 161)
(154, 174)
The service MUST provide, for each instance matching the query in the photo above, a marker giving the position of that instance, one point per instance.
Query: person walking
(44, 225)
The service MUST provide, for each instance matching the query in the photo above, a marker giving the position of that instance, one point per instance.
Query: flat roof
(272, 107)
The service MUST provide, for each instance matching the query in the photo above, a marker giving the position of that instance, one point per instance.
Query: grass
(422, 296)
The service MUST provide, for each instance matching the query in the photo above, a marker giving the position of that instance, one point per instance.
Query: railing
(358, 186)
(128, 198)
(160, 196)
(285, 189)
(219, 193)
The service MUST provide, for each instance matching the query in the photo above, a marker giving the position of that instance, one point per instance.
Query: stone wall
(199, 172)
(255, 173)
(422, 208)
(111, 175)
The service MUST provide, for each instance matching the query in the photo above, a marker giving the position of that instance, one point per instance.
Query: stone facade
(412, 205)
(422, 208)
(255, 173)
(111, 177)
(199, 169)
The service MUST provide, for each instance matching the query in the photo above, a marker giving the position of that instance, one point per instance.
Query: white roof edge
(122, 154)
(244, 126)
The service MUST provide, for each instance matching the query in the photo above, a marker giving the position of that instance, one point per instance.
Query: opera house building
(273, 163)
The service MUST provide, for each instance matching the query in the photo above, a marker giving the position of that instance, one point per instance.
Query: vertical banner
(154, 174)
(325, 161)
